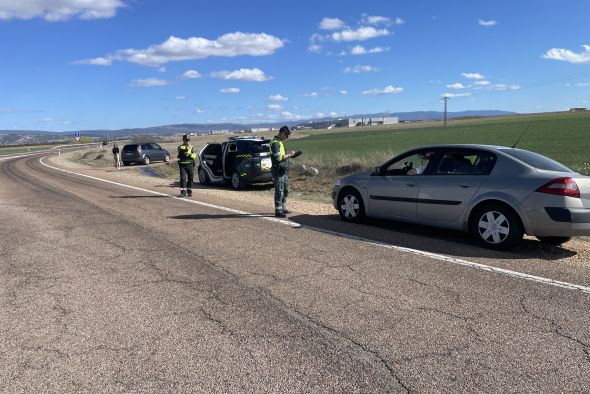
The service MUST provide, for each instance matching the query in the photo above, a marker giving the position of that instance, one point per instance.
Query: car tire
(554, 241)
(236, 182)
(496, 226)
(146, 160)
(167, 159)
(203, 177)
(126, 163)
(350, 206)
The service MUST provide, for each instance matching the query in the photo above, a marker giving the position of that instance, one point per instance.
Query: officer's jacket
(277, 152)
(186, 156)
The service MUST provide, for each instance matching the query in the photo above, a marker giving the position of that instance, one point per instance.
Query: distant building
(381, 120)
(578, 109)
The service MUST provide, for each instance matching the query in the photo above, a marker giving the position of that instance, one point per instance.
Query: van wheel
(495, 226)
(146, 160)
(236, 181)
(350, 206)
(554, 241)
(203, 177)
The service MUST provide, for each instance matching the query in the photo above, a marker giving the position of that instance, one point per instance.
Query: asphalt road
(105, 288)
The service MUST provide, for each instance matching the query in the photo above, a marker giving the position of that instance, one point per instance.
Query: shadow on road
(429, 239)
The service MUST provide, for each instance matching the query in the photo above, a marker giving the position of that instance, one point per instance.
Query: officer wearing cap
(279, 170)
(186, 164)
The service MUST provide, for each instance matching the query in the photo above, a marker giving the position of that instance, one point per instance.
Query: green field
(23, 149)
(564, 137)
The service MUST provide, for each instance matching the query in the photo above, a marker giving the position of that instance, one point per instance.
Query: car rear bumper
(560, 222)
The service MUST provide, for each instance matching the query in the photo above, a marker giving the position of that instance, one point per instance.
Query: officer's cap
(186, 137)
(285, 129)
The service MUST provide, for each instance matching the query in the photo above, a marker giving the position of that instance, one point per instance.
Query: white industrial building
(381, 120)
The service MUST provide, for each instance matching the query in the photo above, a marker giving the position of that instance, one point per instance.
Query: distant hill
(39, 136)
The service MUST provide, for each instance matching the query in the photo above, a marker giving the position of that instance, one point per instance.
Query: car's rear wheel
(236, 181)
(203, 177)
(126, 163)
(554, 241)
(146, 160)
(496, 226)
(350, 206)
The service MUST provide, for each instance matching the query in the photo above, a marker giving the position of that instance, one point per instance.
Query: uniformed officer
(279, 170)
(186, 164)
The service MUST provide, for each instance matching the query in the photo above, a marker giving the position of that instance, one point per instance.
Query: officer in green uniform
(279, 170)
(186, 164)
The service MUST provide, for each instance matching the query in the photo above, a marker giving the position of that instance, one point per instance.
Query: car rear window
(129, 148)
(259, 147)
(536, 160)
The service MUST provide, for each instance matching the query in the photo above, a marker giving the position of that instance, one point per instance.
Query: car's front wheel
(146, 160)
(495, 226)
(554, 241)
(350, 205)
(236, 181)
(167, 159)
(203, 177)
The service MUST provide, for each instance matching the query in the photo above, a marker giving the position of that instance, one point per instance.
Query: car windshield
(536, 160)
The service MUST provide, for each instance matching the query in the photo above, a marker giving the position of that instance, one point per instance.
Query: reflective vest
(186, 156)
(277, 157)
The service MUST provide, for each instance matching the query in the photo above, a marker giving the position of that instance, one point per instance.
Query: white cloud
(472, 75)
(190, 74)
(361, 34)
(59, 10)
(180, 98)
(97, 61)
(485, 23)
(230, 90)
(503, 86)
(243, 74)
(360, 69)
(147, 83)
(399, 21)
(162, 69)
(311, 94)
(360, 50)
(452, 95)
(568, 56)
(6, 110)
(376, 20)
(387, 90)
(275, 107)
(333, 114)
(320, 115)
(457, 85)
(343, 92)
(176, 49)
(277, 97)
(46, 120)
(331, 24)
(481, 83)
(314, 48)
(583, 84)
(199, 111)
(289, 115)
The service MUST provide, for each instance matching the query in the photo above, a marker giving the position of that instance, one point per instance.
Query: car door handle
(466, 186)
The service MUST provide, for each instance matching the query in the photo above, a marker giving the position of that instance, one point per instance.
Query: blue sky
(111, 64)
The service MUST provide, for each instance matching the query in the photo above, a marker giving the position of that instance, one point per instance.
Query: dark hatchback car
(144, 153)
(240, 161)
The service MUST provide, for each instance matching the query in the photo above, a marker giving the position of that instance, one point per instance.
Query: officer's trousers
(281, 183)
(187, 174)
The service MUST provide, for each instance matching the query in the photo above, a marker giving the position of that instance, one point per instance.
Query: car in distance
(240, 161)
(144, 153)
(495, 193)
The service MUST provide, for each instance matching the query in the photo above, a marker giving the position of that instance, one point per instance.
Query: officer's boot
(189, 192)
(182, 193)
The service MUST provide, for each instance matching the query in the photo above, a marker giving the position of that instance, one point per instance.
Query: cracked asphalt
(109, 289)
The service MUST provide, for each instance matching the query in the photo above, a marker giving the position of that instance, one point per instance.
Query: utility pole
(446, 99)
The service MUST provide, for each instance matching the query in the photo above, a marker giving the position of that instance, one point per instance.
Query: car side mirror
(377, 170)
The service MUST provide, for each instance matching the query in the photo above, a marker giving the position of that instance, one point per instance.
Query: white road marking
(418, 252)
(204, 204)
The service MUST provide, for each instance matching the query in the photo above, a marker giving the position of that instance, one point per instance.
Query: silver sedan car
(496, 193)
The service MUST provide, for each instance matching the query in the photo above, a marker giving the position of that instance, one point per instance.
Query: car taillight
(561, 187)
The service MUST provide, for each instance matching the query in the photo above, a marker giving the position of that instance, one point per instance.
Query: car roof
(463, 146)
